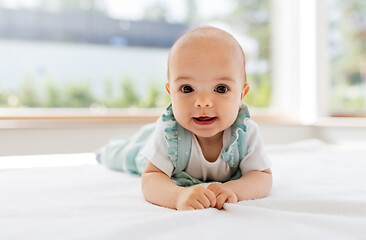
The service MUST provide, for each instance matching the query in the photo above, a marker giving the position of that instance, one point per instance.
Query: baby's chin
(207, 134)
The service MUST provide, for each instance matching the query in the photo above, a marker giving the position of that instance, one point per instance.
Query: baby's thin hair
(210, 33)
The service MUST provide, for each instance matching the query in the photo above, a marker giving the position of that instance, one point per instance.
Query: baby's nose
(203, 101)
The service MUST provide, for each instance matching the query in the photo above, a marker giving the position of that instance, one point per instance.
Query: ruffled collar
(232, 154)
(236, 151)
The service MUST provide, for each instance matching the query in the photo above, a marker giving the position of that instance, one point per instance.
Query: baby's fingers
(232, 198)
(197, 205)
(211, 197)
(220, 200)
(215, 188)
(204, 200)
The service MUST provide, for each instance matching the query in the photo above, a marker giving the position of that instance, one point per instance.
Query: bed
(319, 192)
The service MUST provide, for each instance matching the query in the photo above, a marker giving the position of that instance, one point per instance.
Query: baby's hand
(223, 194)
(195, 197)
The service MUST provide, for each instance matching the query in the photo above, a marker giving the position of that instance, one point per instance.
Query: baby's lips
(205, 118)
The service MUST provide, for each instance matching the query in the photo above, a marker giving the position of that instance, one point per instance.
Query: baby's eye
(186, 89)
(221, 89)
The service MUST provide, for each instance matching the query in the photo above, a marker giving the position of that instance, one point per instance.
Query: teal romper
(123, 154)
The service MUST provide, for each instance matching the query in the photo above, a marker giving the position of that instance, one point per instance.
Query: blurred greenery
(250, 18)
(28, 93)
(259, 92)
(348, 56)
(152, 98)
(253, 17)
(3, 98)
(347, 38)
(129, 96)
(53, 95)
(79, 94)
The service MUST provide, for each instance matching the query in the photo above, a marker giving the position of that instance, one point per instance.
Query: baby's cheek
(181, 115)
(178, 108)
(230, 113)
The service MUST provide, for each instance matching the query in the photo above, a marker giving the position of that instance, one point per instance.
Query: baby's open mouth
(204, 120)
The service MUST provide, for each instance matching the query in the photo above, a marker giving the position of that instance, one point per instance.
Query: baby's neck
(211, 147)
(214, 140)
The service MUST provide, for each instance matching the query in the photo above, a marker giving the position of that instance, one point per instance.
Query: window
(347, 43)
(113, 54)
(314, 59)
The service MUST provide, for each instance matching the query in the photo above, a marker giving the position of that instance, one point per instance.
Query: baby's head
(206, 80)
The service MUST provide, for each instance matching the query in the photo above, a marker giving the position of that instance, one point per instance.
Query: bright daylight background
(112, 54)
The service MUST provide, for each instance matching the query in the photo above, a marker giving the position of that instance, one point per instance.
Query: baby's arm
(159, 189)
(252, 185)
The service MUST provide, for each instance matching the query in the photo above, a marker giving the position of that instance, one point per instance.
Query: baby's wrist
(178, 196)
(230, 186)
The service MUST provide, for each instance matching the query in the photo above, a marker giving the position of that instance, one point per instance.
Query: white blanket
(319, 192)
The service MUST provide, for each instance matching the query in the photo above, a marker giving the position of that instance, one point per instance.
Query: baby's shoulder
(250, 124)
(251, 129)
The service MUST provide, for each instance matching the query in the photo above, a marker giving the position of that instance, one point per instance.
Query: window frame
(300, 40)
(300, 59)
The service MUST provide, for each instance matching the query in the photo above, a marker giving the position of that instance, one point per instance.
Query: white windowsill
(82, 118)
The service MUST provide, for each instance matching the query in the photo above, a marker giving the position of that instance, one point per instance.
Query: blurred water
(67, 62)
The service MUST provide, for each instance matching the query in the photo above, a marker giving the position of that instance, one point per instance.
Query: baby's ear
(167, 87)
(245, 91)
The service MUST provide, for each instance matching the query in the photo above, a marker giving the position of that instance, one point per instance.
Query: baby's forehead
(205, 36)
(204, 40)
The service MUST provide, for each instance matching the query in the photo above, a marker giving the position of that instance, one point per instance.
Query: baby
(206, 134)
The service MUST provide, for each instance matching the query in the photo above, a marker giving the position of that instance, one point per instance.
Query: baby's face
(206, 85)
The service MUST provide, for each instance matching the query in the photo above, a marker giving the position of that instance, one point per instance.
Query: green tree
(53, 95)
(128, 96)
(348, 77)
(253, 17)
(259, 94)
(28, 95)
(156, 96)
(79, 95)
(152, 96)
(108, 97)
(3, 98)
